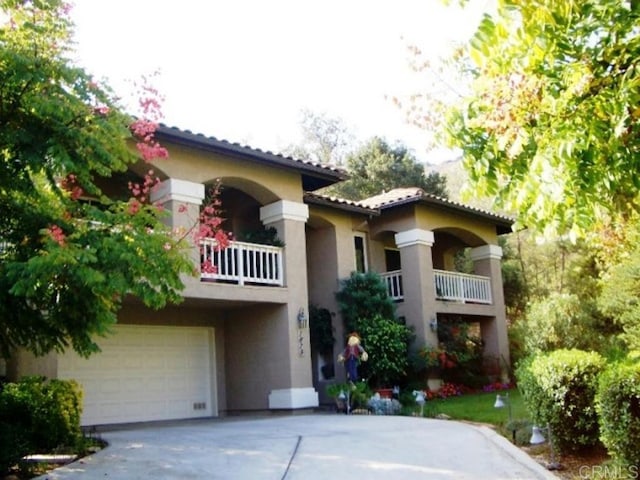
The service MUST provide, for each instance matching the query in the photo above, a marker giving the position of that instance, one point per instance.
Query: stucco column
(486, 260)
(293, 388)
(182, 199)
(418, 283)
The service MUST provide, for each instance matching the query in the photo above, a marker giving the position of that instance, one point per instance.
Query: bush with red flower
(458, 356)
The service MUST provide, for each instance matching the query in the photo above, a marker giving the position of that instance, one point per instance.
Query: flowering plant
(438, 357)
(497, 386)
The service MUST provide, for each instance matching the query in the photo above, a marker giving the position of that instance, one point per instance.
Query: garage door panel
(144, 373)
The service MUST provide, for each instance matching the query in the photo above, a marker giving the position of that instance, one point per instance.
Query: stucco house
(240, 340)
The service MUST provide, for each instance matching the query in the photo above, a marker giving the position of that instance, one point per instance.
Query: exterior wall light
(433, 324)
(302, 320)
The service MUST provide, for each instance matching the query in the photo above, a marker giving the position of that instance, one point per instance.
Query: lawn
(479, 407)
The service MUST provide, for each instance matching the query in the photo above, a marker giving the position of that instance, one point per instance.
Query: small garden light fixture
(345, 398)
(420, 400)
(504, 401)
(537, 438)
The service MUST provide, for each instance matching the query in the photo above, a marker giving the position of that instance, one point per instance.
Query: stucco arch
(467, 237)
(259, 192)
(241, 201)
(318, 222)
(448, 242)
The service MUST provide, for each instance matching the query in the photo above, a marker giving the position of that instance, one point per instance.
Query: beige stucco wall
(377, 247)
(331, 252)
(473, 231)
(331, 258)
(256, 355)
(265, 184)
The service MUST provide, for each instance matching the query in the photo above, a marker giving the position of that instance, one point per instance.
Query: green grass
(478, 407)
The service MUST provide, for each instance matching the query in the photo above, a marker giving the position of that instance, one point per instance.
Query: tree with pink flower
(66, 263)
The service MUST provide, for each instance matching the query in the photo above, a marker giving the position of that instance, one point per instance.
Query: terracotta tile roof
(392, 196)
(317, 174)
(403, 196)
(340, 203)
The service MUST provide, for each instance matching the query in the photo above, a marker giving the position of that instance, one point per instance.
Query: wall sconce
(302, 320)
(537, 438)
(433, 324)
(504, 401)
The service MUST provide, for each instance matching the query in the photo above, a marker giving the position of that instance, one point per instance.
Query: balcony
(394, 284)
(450, 286)
(462, 287)
(242, 263)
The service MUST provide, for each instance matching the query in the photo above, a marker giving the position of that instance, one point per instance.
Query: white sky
(242, 70)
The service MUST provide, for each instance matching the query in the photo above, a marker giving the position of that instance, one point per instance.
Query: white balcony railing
(242, 263)
(452, 286)
(462, 287)
(394, 284)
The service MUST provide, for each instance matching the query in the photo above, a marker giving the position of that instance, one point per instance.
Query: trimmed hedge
(618, 406)
(38, 416)
(559, 388)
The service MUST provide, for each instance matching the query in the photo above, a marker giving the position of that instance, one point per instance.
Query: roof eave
(314, 176)
(503, 225)
(314, 199)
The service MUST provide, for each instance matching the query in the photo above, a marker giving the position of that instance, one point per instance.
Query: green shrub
(386, 341)
(560, 321)
(361, 296)
(618, 406)
(559, 388)
(359, 393)
(38, 416)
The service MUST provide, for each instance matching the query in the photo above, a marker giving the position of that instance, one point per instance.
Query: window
(392, 259)
(359, 245)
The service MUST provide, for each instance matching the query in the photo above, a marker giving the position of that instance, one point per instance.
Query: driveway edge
(516, 453)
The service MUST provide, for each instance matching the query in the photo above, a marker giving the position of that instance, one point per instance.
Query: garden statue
(352, 355)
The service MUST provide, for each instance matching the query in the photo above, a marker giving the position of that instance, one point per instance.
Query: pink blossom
(70, 184)
(101, 110)
(56, 234)
(208, 267)
(134, 207)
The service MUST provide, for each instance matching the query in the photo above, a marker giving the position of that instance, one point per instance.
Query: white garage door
(145, 373)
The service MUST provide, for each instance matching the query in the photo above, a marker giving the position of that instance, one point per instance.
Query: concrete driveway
(306, 447)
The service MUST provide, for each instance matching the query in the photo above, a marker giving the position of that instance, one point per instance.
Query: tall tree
(325, 139)
(378, 166)
(552, 125)
(69, 254)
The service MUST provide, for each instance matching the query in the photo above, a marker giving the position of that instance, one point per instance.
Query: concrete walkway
(306, 447)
